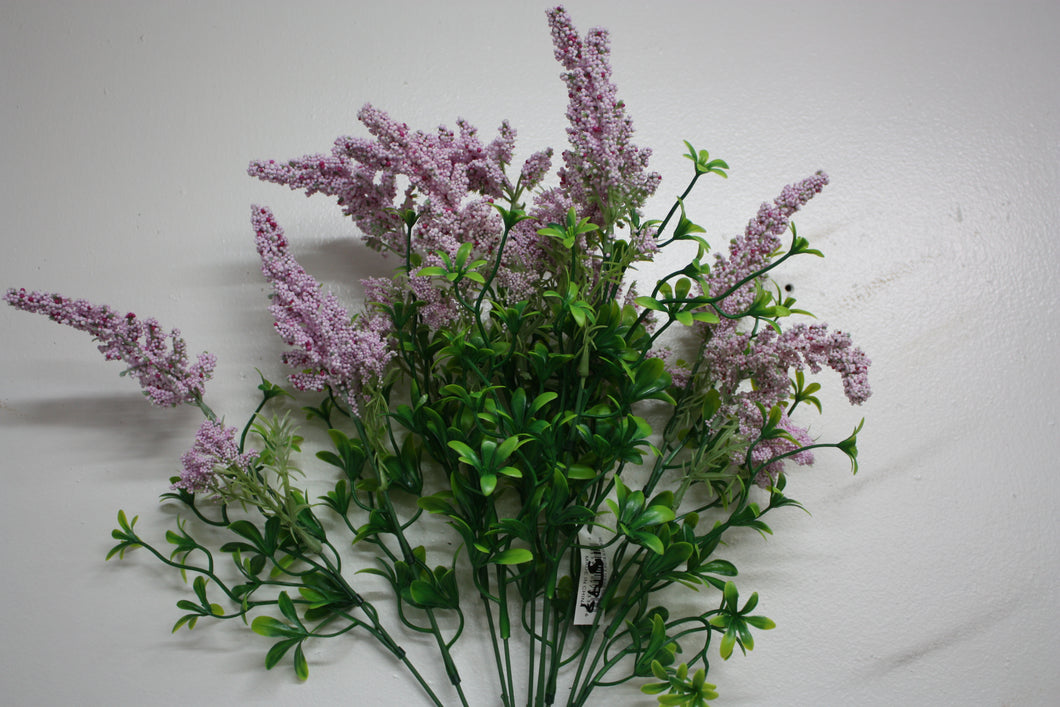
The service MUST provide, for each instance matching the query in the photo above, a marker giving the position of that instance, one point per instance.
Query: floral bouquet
(583, 445)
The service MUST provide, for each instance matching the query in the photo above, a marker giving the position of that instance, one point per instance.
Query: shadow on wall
(141, 430)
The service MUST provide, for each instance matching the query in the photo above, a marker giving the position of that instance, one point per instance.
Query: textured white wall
(930, 578)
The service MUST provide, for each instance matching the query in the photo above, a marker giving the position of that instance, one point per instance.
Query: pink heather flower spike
(820, 347)
(751, 251)
(535, 168)
(328, 350)
(214, 447)
(603, 169)
(162, 370)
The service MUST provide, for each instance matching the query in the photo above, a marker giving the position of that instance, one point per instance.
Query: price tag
(592, 578)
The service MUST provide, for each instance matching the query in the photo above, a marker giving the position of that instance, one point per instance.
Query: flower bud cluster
(215, 448)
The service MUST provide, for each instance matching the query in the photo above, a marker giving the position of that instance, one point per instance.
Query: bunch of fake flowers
(583, 441)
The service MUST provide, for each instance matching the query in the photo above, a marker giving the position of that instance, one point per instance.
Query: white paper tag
(592, 578)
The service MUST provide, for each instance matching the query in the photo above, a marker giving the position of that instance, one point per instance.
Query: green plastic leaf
(467, 454)
(650, 541)
(580, 472)
(732, 597)
(761, 622)
(123, 521)
(287, 608)
(650, 303)
(200, 589)
(462, 253)
(849, 447)
(542, 400)
(301, 666)
(727, 643)
(187, 619)
(247, 530)
(654, 688)
(654, 515)
(722, 567)
(507, 447)
(272, 627)
(278, 651)
(682, 288)
(513, 556)
(269, 389)
(718, 620)
(425, 594)
(433, 504)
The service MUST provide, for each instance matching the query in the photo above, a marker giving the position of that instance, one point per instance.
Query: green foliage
(292, 634)
(458, 268)
(203, 608)
(736, 622)
(703, 163)
(567, 233)
(679, 689)
(124, 534)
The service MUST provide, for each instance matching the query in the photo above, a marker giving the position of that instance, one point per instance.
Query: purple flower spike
(820, 347)
(535, 168)
(328, 351)
(603, 170)
(157, 360)
(215, 447)
(751, 251)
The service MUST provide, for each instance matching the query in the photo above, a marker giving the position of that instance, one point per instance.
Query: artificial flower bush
(585, 444)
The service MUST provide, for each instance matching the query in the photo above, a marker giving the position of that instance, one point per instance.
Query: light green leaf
(727, 643)
(654, 515)
(580, 472)
(467, 454)
(650, 541)
(732, 597)
(301, 666)
(650, 303)
(760, 622)
(513, 556)
(271, 627)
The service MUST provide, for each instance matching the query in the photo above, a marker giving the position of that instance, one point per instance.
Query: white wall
(930, 578)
